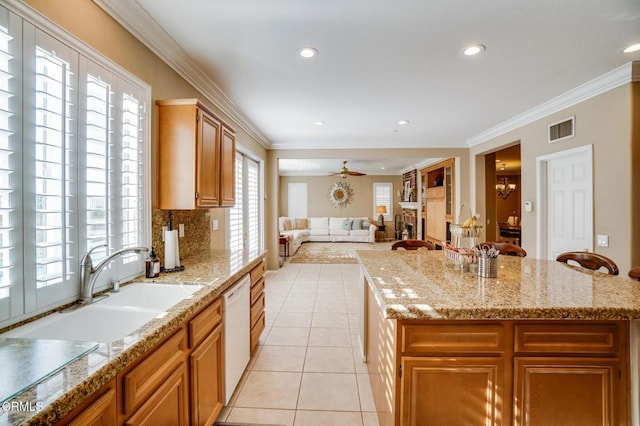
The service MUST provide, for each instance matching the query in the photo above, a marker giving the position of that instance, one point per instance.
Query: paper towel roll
(170, 249)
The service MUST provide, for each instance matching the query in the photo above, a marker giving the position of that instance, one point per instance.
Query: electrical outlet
(215, 225)
(602, 240)
(181, 230)
(164, 229)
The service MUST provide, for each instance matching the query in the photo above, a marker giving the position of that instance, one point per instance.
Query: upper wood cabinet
(196, 157)
(438, 195)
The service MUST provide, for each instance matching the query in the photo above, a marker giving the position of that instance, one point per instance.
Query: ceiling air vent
(562, 130)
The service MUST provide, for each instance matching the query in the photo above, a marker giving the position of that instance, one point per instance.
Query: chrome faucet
(88, 272)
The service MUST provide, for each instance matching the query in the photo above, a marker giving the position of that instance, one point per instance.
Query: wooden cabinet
(570, 374)
(257, 302)
(196, 157)
(497, 372)
(438, 200)
(452, 390)
(205, 365)
(97, 410)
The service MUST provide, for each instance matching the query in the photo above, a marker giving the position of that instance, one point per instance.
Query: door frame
(541, 195)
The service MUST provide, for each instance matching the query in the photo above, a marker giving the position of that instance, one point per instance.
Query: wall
(318, 203)
(272, 183)
(90, 24)
(604, 121)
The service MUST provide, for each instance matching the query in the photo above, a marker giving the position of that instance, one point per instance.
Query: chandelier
(504, 188)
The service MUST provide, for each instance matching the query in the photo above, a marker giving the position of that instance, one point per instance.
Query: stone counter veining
(423, 284)
(60, 393)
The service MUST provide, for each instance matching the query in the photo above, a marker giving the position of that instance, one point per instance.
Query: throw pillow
(346, 225)
(357, 224)
(365, 224)
(302, 223)
(287, 224)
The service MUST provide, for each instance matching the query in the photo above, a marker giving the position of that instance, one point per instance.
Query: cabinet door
(441, 225)
(101, 412)
(227, 169)
(206, 379)
(452, 391)
(566, 391)
(168, 405)
(208, 161)
(431, 218)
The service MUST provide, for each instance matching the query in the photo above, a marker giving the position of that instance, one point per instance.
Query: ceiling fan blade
(350, 173)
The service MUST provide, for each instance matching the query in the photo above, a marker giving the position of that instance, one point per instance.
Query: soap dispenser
(152, 265)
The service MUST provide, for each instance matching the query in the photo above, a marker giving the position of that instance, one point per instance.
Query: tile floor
(306, 369)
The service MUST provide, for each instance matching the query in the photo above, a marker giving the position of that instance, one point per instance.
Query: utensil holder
(487, 267)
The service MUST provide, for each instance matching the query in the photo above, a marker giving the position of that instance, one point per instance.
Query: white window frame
(383, 186)
(25, 300)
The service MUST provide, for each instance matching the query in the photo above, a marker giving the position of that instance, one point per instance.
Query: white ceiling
(322, 167)
(383, 61)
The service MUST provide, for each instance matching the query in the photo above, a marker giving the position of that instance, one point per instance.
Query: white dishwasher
(235, 314)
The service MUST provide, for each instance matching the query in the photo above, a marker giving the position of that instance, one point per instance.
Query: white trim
(137, 21)
(541, 195)
(595, 87)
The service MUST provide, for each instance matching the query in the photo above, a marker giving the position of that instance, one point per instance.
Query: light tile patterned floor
(306, 369)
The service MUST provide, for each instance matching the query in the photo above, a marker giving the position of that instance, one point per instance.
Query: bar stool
(591, 261)
(413, 245)
(635, 273)
(505, 248)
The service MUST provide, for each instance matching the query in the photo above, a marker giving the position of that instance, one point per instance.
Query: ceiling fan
(344, 172)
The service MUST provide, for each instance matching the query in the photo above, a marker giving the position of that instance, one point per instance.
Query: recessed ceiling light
(382, 168)
(632, 48)
(308, 52)
(403, 122)
(319, 123)
(474, 50)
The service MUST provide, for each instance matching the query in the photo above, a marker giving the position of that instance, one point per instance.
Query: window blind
(382, 196)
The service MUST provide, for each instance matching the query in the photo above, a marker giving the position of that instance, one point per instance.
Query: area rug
(315, 252)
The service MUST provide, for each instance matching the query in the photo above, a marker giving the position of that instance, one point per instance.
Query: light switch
(602, 240)
(528, 206)
(214, 225)
(181, 230)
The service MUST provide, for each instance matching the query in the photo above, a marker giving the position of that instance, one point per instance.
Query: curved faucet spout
(88, 272)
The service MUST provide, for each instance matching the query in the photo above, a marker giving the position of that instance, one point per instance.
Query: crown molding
(615, 78)
(142, 26)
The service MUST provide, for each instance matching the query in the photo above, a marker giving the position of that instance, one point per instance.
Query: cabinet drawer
(257, 290)
(257, 309)
(258, 272)
(453, 338)
(152, 372)
(567, 338)
(435, 192)
(256, 331)
(99, 412)
(202, 324)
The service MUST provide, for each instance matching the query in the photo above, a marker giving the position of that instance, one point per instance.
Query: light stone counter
(423, 284)
(61, 392)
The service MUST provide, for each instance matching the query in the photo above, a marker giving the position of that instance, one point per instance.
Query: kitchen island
(544, 343)
(92, 377)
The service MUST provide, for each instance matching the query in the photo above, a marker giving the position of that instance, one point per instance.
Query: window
(73, 154)
(382, 196)
(297, 199)
(245, 224)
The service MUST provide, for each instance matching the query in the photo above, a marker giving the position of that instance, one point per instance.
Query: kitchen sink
(109, 319)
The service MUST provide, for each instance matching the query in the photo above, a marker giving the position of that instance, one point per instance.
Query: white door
(569, 202)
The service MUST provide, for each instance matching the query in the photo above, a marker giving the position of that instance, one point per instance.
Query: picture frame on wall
(407, 190)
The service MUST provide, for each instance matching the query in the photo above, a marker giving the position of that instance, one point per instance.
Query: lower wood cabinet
(167, 405)
(446, 391)
(257, 321)
(206, 379)
(498, 372)
(97, 410)
(566, 391)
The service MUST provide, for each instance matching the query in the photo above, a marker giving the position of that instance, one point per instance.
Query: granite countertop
(52, 398)
(424, 284)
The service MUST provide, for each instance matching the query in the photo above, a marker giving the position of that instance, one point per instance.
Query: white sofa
(328, 229)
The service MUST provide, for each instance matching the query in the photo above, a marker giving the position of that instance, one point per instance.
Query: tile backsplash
(197, 233)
